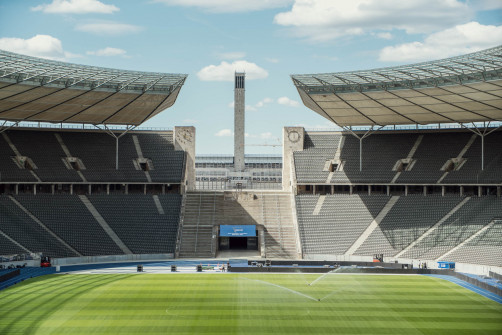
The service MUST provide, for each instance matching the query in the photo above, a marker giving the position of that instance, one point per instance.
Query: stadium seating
(96, 150)
(381, 151)
(138, 223)
(68, 218)
(341, 220)
(16, 224)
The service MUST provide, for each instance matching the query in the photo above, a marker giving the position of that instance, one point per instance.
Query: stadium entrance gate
(238, 237)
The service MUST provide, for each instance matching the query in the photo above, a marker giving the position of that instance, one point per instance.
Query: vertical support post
(406, 190)
(443, 190)
(361, 154)
(107, 189)
(388, 190)
(116, 153)
(482, 152)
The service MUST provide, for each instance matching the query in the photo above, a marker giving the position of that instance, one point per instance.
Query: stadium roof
(461, 89)
(40, 90)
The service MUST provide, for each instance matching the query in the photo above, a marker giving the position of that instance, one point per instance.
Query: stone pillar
(292, 140)
(425, 191)
(332, 189)
(369, 189)
(480, 191)
(406, 190)
(53, 189)
(388, 190)
(461, 191)
(239, 121)
(499, 191)
(443, 190)
(184, 139)
(71, 189)
(107, 189)
(90, 189)
(351, 189)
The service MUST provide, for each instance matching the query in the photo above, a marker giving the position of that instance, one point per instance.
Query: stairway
(270, 210)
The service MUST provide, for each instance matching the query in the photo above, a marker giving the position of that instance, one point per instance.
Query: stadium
(391, 225)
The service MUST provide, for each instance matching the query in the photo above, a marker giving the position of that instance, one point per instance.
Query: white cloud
(461, 39)
(44, 46)
(232, 55)
(287, 102)
(263, 102)
(228, 6)
(225, 71)
(224, 133)
(322, 20)
(108, 28)
(108, 51)
(76, 7)
(385, 36)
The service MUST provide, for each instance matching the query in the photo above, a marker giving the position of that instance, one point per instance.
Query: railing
(78, 126)
(442, 126)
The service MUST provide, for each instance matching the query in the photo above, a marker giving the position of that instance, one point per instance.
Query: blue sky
(269, 39)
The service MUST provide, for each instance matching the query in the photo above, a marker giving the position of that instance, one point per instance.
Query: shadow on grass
(74, 288)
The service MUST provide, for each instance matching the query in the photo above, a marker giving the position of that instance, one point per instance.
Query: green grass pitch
(245, 304)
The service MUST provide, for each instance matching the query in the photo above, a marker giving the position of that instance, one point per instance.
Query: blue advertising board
(238, 231)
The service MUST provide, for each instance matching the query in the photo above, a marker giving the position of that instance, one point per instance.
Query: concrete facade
(293, 138)
(239, 121)
(184, 139)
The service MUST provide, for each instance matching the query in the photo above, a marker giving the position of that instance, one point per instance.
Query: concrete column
(406, 190)
(90, 189)
(163, 188)
(144, 189)
(425, 191)
(461, 191)
(480, 191)
(127, 189)
(499, 191)
(53, 189)
(71, 189)
(443, 190)
(17, 189)
(107, 189)
(332, 189)
(313, 189)
(239, 121)
(388, 190)
(35, 189)
(292, 140)
(184, 140)
(369, 189)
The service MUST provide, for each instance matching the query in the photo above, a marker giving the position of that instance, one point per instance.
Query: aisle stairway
(270, 210)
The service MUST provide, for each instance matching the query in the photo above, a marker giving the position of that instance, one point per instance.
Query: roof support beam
(361, 138)
(111, 133)
(481, 133)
